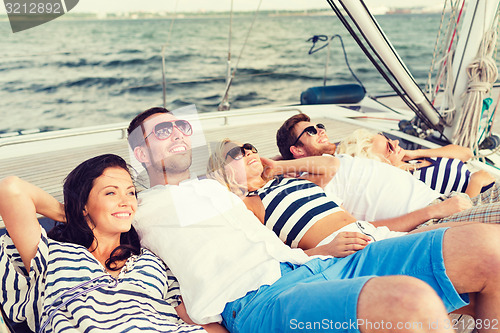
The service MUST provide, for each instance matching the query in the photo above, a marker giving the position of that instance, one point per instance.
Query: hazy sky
(222, 5)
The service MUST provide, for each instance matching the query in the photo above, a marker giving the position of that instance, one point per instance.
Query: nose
(127, 200)
(247, 152)
(177, 134)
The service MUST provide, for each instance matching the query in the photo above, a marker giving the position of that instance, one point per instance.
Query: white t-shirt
(216, 248)
(371, 190)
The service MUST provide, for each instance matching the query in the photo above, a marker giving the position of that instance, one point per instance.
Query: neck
(104, 248)
(168, 178)
(330, 150)
(255, 184)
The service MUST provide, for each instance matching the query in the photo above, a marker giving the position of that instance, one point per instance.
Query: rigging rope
(224, 104)
(163, 68)
(314, 39)
(447, 57)
(381, 67)
(230, 81)
(482, 73)
(434, 53)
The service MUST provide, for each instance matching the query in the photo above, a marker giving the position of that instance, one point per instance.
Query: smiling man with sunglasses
(162, 143)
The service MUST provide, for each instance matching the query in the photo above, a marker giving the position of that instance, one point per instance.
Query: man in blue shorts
(233, 269)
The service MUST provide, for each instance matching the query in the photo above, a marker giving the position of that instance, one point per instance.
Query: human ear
(140, 154)
(297, 152)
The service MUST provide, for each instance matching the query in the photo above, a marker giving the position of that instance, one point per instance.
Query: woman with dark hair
(89, 274)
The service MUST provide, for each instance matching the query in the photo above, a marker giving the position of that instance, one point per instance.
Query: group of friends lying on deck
(316, 241)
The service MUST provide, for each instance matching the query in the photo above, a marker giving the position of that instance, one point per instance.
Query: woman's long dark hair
(76, 230)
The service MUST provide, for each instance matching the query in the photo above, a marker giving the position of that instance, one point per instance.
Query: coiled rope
(482, 73)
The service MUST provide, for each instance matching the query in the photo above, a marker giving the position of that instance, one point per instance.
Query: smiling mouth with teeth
(178, 149)
(122, 215)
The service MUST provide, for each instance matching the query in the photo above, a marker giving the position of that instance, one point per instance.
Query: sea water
(74, 73)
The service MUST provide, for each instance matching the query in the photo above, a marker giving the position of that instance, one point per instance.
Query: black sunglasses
(237, 153)
(390, 145)
(164, 130)
(311, 130)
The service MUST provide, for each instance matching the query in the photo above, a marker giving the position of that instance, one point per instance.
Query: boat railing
(43, 136)
(122, 127)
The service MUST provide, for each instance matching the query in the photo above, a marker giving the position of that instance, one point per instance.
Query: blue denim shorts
(322, 295)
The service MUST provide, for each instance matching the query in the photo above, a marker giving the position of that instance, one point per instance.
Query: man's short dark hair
(285, 136)
(136, 137)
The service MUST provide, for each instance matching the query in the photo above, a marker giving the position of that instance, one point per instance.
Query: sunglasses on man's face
(237, 153)
(164, 130)
(311, 130)
(390, 146)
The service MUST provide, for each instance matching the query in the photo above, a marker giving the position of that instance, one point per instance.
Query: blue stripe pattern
(142, 298)
(445, 175)
(292, 206)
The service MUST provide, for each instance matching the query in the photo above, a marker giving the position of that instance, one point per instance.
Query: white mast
(391, 59)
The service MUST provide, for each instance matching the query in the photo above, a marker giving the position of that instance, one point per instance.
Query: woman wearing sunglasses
(296, 209)
(88, 274)
(443, 168)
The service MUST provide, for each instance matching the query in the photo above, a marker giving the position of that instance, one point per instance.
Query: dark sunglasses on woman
(311, 130)
(164, 130)
(390, 146)
(238, 152)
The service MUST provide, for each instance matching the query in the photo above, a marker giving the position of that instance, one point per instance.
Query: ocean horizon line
(126, 15)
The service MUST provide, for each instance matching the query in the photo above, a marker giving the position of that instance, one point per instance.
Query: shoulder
(254, 203)
(147, 258)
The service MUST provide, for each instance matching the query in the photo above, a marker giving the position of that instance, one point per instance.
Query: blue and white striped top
(445, 175)
(292, 206)
(68, 290)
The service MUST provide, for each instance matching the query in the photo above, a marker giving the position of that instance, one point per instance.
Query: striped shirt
(68, 290)
(444, 175)
(292, 206)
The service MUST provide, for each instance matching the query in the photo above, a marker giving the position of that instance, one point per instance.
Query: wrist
(412, 154)
(431, 212)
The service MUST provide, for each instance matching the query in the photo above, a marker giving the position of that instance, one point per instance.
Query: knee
(10, 186)
(401, 299)
(415, 296)
(485, 238)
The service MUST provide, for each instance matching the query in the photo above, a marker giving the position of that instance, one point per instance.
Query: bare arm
(411, 220)
(320, 169)
(476, 182)
(344, 244)
(213, 327)
(20, 201)
(449, 151)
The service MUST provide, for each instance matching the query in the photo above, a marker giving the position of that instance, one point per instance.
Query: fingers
(354, 237)
(349, 249)
(266, 161)
(348, 243)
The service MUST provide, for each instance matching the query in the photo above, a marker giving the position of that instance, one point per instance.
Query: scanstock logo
(26, 14)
